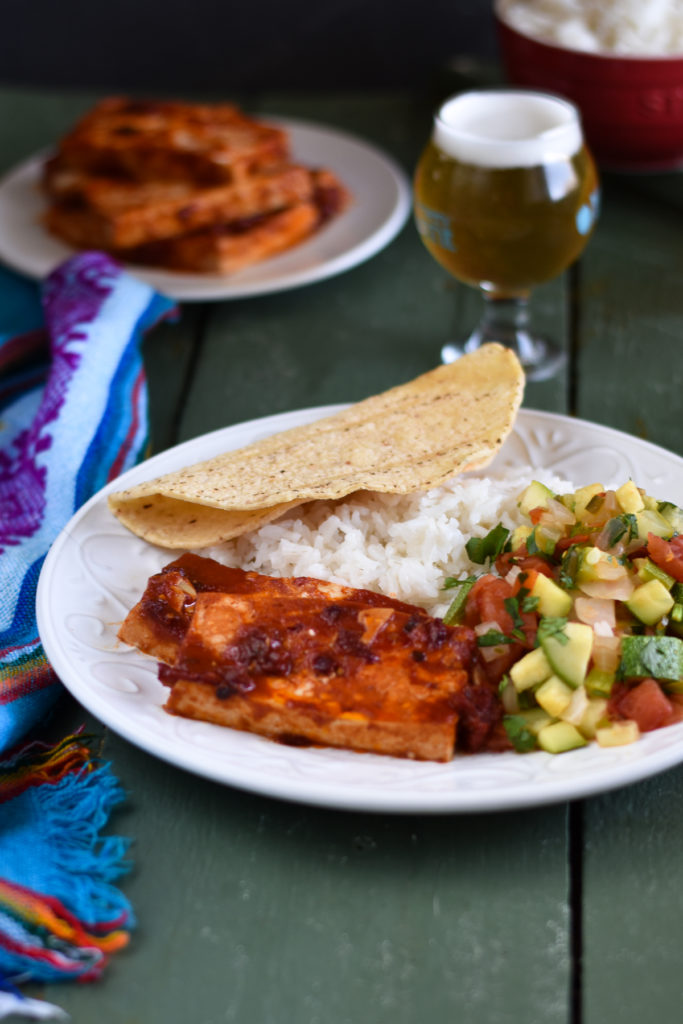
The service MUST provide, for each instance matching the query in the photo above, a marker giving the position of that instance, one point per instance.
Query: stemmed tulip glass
(506, 196)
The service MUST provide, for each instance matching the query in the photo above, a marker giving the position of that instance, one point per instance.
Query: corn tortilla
(412, 437)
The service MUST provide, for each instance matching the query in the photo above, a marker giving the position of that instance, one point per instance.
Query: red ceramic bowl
(631, 107)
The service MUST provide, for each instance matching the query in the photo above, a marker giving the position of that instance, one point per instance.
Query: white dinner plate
(96, 570)
(379, 209)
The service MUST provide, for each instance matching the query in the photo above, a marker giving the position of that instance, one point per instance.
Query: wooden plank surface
(259, 911)
(372, 918)
(631, 377)
(253, 910)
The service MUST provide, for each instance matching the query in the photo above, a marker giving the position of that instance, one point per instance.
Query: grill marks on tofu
(190, 187)
(304, 661)
(162, 616)
(98, 212)
(171, 140)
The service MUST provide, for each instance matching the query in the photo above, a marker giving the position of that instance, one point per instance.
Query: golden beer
(506, 196)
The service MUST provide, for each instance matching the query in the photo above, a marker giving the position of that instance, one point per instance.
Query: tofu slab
(306, 670)
(303, 661)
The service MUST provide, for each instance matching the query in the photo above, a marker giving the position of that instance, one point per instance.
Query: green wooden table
(264, 912)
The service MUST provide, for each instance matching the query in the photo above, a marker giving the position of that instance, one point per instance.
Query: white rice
(399, 545)
(640, 28)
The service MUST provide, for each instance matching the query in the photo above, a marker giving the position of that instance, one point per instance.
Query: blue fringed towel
(68, 425)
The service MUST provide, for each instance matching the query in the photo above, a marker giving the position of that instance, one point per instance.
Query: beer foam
(507, 128)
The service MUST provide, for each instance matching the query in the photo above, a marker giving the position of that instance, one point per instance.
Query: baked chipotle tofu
(304, 661)
(187, 186)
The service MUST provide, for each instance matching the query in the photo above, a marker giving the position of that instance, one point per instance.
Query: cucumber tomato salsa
(579, 618)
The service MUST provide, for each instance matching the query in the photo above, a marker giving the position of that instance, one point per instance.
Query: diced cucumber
(559, 737)
(536, 495)
(656, 657)
(569, 651)
(589, 560)
(554, 696)
(647, 570)
(673, 515)
(544, 539)
(650, 602)
(599, 682)
(583, 496)
(519, 536)
(593, 717)
(653, 522)
(535, 719)
(629, 497)
(533, 668)
(617, 734)
(553, 601)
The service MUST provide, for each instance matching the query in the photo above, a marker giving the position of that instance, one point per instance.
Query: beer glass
(506, 196)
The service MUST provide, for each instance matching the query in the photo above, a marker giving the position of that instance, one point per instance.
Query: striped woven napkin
(73, 415)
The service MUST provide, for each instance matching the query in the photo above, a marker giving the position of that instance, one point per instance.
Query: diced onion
(557, 514)
(606, 652)
(577, 707)
(491, 653)
(595, 610)
(496, 650)
(511, 577)
(373, 620)
(485, 627)
(617, 590)
(610, 569)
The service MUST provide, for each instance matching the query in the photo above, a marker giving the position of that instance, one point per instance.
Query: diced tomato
(677, 705)
(566, 542)
(524, 561)
(496, 668)
(486, 603)
(647, 705)
(525, 581)
(535, 514)
(534, 563)
(667, 554)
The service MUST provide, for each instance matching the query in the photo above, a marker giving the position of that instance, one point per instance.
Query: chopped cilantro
(512, 608)
(614, 530)
(492, 638)
(623, 526)
(457, 606)
(553, 627)
(531, 545)
(519, 734)
(530, 604)
(451, 582)
(483, 549)
(632, 524)
(505, 681)
(569, 568)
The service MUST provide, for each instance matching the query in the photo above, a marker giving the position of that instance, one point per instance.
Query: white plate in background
(381, 203)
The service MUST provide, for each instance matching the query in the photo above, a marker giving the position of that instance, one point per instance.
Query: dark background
(194, 46)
